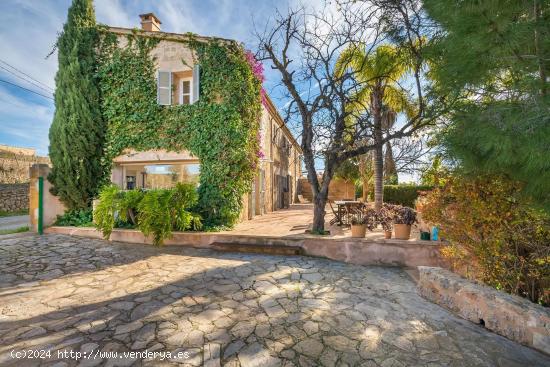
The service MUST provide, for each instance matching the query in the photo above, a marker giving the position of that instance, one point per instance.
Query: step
(258, 249)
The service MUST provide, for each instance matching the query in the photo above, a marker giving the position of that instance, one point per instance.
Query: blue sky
(30, 27)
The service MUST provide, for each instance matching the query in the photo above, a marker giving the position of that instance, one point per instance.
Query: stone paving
(294, 221)
(61, 293)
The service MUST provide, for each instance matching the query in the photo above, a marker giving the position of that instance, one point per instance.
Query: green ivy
(220, 129)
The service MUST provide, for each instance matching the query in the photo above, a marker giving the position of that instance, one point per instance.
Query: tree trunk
(378, 151)
(363, 175)
(538, 51)
(365, 190)
(319, 203)
(378, 177)
(320, 198)
(390, 171)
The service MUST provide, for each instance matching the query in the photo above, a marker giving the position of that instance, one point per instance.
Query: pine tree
(494, 58)
(78, 130)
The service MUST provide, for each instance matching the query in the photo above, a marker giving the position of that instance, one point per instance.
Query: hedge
(405, 195)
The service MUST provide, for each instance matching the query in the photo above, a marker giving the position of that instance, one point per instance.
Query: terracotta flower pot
(402, 231)
(387, 235)
(358, 230)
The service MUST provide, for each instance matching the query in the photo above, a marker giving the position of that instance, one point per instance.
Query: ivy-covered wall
(221, 129)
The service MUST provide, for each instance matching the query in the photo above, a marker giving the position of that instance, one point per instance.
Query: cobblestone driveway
(64, 293)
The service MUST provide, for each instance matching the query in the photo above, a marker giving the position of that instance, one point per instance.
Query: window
(167, 175)
(196, 83)
(185, 91)
(164, 88)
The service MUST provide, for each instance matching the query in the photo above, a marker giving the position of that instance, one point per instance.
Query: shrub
(405, 195)
(155, 216)
(76, 218)
(402, 214)
(155, 212)
(129, 202)
(107, 209)
(494, 236)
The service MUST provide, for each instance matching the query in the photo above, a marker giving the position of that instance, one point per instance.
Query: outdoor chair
(336, 218)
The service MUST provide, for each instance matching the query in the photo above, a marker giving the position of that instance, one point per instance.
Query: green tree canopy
(495, 57)
(77, 131)
(380, 73)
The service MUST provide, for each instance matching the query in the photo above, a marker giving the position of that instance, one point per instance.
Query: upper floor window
(186, 92)
(188, 87)
(164, 88)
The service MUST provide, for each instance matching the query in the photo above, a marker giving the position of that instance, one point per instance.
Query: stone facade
(274, 186)
(338, 189)
(511, 316)
(14, 197)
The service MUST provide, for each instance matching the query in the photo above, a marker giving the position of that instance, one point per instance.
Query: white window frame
(190, 80)
(169, 87)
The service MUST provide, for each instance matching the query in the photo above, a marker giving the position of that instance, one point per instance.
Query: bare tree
(303, 47)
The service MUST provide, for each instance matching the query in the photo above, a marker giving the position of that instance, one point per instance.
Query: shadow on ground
(66, 293)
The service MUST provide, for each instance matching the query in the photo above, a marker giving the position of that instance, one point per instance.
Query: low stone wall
(350, 250)
(510, 316)
(14, 197)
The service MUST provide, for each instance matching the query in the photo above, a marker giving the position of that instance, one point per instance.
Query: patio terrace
(284, 231)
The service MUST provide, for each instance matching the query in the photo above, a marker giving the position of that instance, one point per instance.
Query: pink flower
(258, 71)
(256, 66)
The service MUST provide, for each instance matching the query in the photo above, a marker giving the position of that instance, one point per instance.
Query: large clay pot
(387, 235)
(358, 230)
(402, 231)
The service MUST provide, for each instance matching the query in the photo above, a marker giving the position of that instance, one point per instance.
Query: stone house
(178, 81)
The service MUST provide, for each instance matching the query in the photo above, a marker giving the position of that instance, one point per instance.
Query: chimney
(150, 22)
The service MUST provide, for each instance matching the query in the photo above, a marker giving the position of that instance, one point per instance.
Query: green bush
(76, 218)
(156, 213)
(495, 235)
(405, 195)
(106, 211)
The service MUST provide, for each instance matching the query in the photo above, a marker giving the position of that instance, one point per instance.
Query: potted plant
(404, 218)
(358, 225)
(385, 219)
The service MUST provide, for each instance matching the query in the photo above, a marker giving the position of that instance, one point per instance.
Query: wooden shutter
(196, 83)
(164, 88)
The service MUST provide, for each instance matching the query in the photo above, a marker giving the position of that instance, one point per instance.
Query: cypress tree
(78, 130)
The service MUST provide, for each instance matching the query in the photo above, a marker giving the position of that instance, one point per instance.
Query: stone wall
(338, 189)
(14, 167)
(360, 251)
(14, 197)
(511, 316)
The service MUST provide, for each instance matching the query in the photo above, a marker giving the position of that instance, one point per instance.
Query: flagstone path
(63, 294)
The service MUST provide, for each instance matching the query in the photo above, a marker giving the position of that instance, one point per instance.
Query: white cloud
(30, 28)
(112, 12)
(24, 122)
